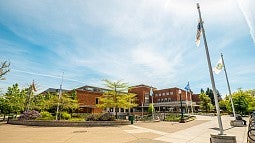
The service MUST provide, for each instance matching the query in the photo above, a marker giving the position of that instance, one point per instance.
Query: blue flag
(187, 87)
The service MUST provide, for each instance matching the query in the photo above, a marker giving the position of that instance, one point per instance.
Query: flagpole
(230, 95)
(191, 102)
(59, 96)
(187, 107)
(211, 73)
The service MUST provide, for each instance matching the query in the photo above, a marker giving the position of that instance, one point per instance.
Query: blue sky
(140, 42)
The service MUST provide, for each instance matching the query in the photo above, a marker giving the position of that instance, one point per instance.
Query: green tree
(117, 96)
(209, 92)
(241, 101)
(4, 69)
(13, 101)
(205, 102)
(49, 101)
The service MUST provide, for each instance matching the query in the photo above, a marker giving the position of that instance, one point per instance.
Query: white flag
(218, 67)
(199, 32)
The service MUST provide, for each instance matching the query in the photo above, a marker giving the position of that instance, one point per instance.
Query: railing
(251, 129)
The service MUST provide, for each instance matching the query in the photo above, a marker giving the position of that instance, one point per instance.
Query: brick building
(165, 100)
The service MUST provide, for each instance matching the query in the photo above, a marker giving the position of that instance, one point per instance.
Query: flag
(151, 92)
(33, 86)
(187, 87)
(199, 32)
(218, 67)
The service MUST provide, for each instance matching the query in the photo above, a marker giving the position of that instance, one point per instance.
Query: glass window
(159, 94)
(167, 93)
(163, 94)
(158, 100)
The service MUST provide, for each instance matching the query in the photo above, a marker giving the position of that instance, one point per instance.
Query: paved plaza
(197, 131)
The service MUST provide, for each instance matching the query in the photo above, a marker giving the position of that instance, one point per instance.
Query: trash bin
(131, 118)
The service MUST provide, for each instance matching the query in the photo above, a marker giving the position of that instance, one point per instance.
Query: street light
(182, 119)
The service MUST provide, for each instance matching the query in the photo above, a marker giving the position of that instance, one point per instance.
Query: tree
(209, 92)
(117, 96)
(241, 101)
(205, 102)
(13, 101)
(4, 69)
(49, 101)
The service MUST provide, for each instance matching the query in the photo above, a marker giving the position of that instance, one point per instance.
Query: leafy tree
(223, 105)
(209, 92)
(205, 102)
(49, 101)
(241, 101)
(117, 96)
(4, 69)
(13, 101)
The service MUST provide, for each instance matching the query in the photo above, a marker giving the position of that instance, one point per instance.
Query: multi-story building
(164, 100)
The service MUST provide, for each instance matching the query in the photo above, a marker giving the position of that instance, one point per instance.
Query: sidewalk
(197, 134)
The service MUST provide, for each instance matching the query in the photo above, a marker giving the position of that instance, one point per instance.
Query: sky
(148, 42)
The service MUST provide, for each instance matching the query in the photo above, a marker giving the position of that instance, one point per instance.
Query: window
(169, 99)
(97, 100)
(165, 99)
(158, 100)
(156, 94)
(167, 93)
(171, 93)
(159, 94)
(163, 94)
(162, 100)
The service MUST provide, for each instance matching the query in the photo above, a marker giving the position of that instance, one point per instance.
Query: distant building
(165, 100)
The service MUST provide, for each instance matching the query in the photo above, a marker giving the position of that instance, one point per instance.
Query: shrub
(29, 115)
(45, 115)
(100, 117)
(65, 116)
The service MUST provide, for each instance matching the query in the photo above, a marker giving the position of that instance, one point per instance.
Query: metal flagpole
(230, 95)
(191, 102)
(187, 107)
(211, 73)
(59, 96)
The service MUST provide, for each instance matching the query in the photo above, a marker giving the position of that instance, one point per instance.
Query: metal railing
(251, 129)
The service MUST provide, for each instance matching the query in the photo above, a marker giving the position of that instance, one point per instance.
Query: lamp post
(182, 119)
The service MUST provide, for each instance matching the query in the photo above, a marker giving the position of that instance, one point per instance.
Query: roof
(92, 88)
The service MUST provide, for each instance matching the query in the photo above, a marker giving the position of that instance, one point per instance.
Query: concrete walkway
(197, 131)
(195, 134)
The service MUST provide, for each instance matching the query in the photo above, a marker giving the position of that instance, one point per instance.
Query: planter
(68, 123)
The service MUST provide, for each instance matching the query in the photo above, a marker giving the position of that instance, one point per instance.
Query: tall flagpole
(230, 95)
(187, 107)
(211, 73)
(59, 96)
(191, 102)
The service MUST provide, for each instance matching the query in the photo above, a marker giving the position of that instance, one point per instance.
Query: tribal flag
(187, 87)
(199, 32)
(218, 67)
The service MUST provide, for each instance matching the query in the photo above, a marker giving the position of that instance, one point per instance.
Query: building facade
(164, 100)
